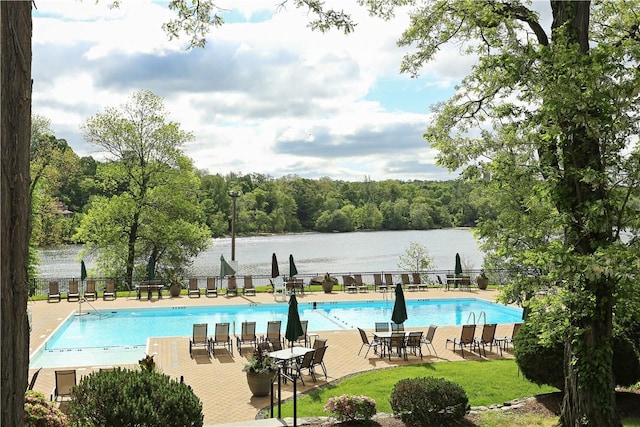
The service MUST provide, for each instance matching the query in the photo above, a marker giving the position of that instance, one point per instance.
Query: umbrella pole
(80, 299)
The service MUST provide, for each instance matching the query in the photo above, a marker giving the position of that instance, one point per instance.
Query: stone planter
(260, 383)
(174, 289)
(483, 282)
(327, 287)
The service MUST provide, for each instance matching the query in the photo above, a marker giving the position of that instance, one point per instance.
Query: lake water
(314, 253)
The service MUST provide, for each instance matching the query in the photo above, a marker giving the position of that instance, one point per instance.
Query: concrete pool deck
(220, 383)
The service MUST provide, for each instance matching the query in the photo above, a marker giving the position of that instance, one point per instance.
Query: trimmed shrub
(626, 367)
(429, 400)
(350, 408)
(541, 362)
(41, 412)
(125, 398)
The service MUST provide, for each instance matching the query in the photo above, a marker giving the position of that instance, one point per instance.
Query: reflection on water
(314, 253)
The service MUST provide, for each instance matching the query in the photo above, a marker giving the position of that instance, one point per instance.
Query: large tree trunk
(131, 253)
(15, 212)
(589, 395)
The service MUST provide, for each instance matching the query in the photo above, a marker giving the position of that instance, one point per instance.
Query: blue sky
(265, 95)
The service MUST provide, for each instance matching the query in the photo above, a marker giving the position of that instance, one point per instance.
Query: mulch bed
(548, 404)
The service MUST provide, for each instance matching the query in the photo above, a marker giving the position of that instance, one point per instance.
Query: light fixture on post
(234, 195)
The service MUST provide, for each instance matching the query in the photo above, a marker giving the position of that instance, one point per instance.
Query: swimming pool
(120, 336)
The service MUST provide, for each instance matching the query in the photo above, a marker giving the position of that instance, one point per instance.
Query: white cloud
(271, 97)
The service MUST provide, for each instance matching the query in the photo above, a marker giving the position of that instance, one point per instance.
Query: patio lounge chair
(247, 336)
(90, 290)
(465, 283)
(382, 326)
(362, 287)
(73, 294)
(398, 342)
(199, 338)
(264, 347)
(65, 381)
(212, 289)
(414, 343)
(466, 338)
(388, 281)
(417, 281)
(406, 283)
(248, 286)
(488, 337)
(378, 284)
(318, 360)
(397, 327)
(109, 291)
(504, 342)
(306, 363)
(273, 332)
(54, 292)
(367, 343)
(319, 342)
(428, 339)
(193, 287)
(304, 338)
(232, 286)
(222, 338)
(294, 285)
(349, 284)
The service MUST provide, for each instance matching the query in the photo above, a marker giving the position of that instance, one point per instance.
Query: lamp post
(234, 195)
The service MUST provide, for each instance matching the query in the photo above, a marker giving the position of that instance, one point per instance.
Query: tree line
(60, 178)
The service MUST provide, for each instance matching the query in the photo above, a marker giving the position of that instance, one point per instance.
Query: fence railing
(40, 286)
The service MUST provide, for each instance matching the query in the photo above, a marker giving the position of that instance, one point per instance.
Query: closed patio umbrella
(294, 327)
(83, 275)
(225, 268)
(292, 267)
(399, 314)
(458, 268)
(83, 271)
(275, 271)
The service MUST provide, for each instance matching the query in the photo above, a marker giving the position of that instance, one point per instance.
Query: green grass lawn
(485, 382)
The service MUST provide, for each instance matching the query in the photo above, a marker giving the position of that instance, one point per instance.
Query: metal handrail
(295, 395)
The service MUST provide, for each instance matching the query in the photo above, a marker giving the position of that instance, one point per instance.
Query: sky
(266, 95)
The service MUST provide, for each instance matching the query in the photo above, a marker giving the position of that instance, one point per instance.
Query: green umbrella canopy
(225, 268)
(83, 271)
(294, 327)
(458, 269)
(399, 314)
(292, 267)
(151, 268)
(275, 271)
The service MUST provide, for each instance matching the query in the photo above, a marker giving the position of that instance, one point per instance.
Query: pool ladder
(481, 316)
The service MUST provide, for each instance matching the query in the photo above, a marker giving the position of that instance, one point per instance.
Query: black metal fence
(40, 287)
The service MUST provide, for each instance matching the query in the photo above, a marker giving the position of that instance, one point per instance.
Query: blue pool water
(111, 336)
